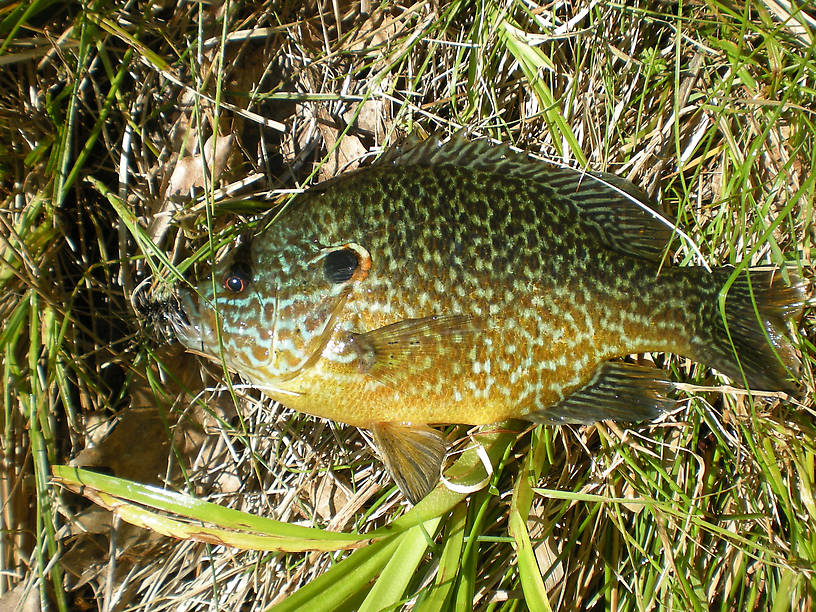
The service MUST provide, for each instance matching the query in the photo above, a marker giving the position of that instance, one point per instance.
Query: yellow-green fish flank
(462, 283)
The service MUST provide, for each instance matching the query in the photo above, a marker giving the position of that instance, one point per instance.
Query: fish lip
(170, 313)
(184, 319)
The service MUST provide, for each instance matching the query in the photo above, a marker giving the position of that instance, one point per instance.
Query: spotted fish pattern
(456, 282)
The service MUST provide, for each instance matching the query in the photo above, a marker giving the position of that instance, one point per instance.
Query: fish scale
(461, 283)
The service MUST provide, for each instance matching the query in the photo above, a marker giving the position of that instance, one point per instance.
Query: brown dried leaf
(349, 151)
(327, 497)
(138, 448)
(546, 553)
(372, 117)
(16, 599)
(190, 171)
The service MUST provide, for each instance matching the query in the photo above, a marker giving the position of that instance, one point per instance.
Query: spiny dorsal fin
(458, 150)
(617, 209)
(413, 455)
(618, 392)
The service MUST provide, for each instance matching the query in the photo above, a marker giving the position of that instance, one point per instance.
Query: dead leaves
(198, 170)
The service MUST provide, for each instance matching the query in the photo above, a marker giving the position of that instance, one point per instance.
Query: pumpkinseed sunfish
(458, 282)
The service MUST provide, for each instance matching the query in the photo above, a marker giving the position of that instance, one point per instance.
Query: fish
(457, 281)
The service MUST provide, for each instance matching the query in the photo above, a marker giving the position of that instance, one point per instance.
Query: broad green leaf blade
(468, 570)
(394, 579)
(129, 499)
(344, 580)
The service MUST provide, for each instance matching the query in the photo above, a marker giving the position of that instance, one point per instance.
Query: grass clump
(105, 110)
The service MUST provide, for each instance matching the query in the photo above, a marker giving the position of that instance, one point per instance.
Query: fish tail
(753, 347)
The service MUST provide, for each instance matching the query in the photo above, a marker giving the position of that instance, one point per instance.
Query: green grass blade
(535, 593)
(138, 232)
(111, 27)
(533, 62)
(435, 600)
(18, 17)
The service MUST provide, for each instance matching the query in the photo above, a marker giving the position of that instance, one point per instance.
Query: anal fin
(618, 392)
(412, 454)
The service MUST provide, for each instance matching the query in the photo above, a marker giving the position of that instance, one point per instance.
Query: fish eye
(339, 265)
(237, 280)
(239, 274)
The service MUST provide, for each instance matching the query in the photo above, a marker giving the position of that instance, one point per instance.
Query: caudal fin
(758, 307)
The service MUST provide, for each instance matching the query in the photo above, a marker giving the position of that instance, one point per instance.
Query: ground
(105, 111)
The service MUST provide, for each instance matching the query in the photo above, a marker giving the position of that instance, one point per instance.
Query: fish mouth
(167, 313)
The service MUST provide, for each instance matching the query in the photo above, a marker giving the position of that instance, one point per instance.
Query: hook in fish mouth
(165, 312)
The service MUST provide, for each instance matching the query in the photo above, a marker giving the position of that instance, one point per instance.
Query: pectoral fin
(410, 349)
(618, 391)
(413, 455)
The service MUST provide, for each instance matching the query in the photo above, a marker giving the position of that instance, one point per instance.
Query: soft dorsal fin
(617, 209)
